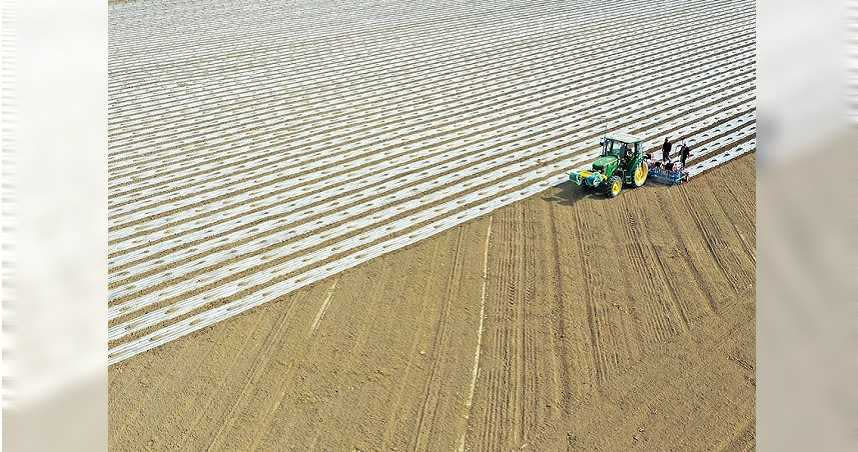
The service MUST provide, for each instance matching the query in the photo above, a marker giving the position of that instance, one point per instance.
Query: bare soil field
(560, 322)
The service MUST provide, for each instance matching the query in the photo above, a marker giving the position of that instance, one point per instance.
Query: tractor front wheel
(615, 186)
(641, 172)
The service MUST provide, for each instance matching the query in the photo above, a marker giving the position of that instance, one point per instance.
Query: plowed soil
(564, 321)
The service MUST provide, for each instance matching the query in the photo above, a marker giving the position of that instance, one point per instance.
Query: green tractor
(622, 162)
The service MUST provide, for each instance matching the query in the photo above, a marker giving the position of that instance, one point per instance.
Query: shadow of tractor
(568, 193)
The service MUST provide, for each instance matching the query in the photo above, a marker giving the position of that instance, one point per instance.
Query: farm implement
(668, 173)
(622, 162)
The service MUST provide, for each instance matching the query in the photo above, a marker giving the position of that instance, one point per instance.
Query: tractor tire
(640, 175)
(615, 186)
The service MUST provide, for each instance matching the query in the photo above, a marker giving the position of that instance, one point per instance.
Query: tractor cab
(621, 162)
(618, 151)
(621, 146)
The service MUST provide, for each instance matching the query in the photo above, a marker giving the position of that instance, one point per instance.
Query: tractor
(622, 162)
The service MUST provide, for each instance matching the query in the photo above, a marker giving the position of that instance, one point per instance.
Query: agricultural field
(344, 225)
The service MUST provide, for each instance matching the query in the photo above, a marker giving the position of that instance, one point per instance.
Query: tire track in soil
(280, 418)
(239, 371)
(627, 312)
(243, 416)
(246, 428)
(588, 300)
(728, 205)
(744, 220)
(395, 421)
(547, 393)
(661, 301)
(605, 297)
(706, 282)
(702, 255)
(499, 360)
(260, 362)
(529, 370)
(729, 388)
(480, 332)
(564, 202)
(651, 308)
(427, 415)
(197, 363)
(411, 373)
(364, 365)
(500, 414)
(559, 341)
(324, 307)
(148, 389)
(742, 176)
(684, 385)
(743, 440)
(715, 229)
(667, 247)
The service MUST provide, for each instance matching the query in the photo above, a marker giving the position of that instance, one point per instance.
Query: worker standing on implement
(683, 154)
(665, 150)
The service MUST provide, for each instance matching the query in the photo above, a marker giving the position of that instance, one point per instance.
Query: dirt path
(606, 325)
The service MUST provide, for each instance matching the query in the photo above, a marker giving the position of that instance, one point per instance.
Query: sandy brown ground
(608, 325)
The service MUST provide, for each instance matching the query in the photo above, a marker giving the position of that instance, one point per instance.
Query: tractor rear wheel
(641, 173)
(615, 186)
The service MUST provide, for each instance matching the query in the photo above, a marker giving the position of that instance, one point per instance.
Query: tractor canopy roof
(623, 137)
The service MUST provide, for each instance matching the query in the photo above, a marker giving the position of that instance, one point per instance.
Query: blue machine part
(663, 176)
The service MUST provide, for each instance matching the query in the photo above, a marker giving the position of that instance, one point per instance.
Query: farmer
(683, 154)
(665, 150)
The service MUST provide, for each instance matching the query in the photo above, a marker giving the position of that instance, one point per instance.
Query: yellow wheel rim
(641, 173)
(618, 185)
